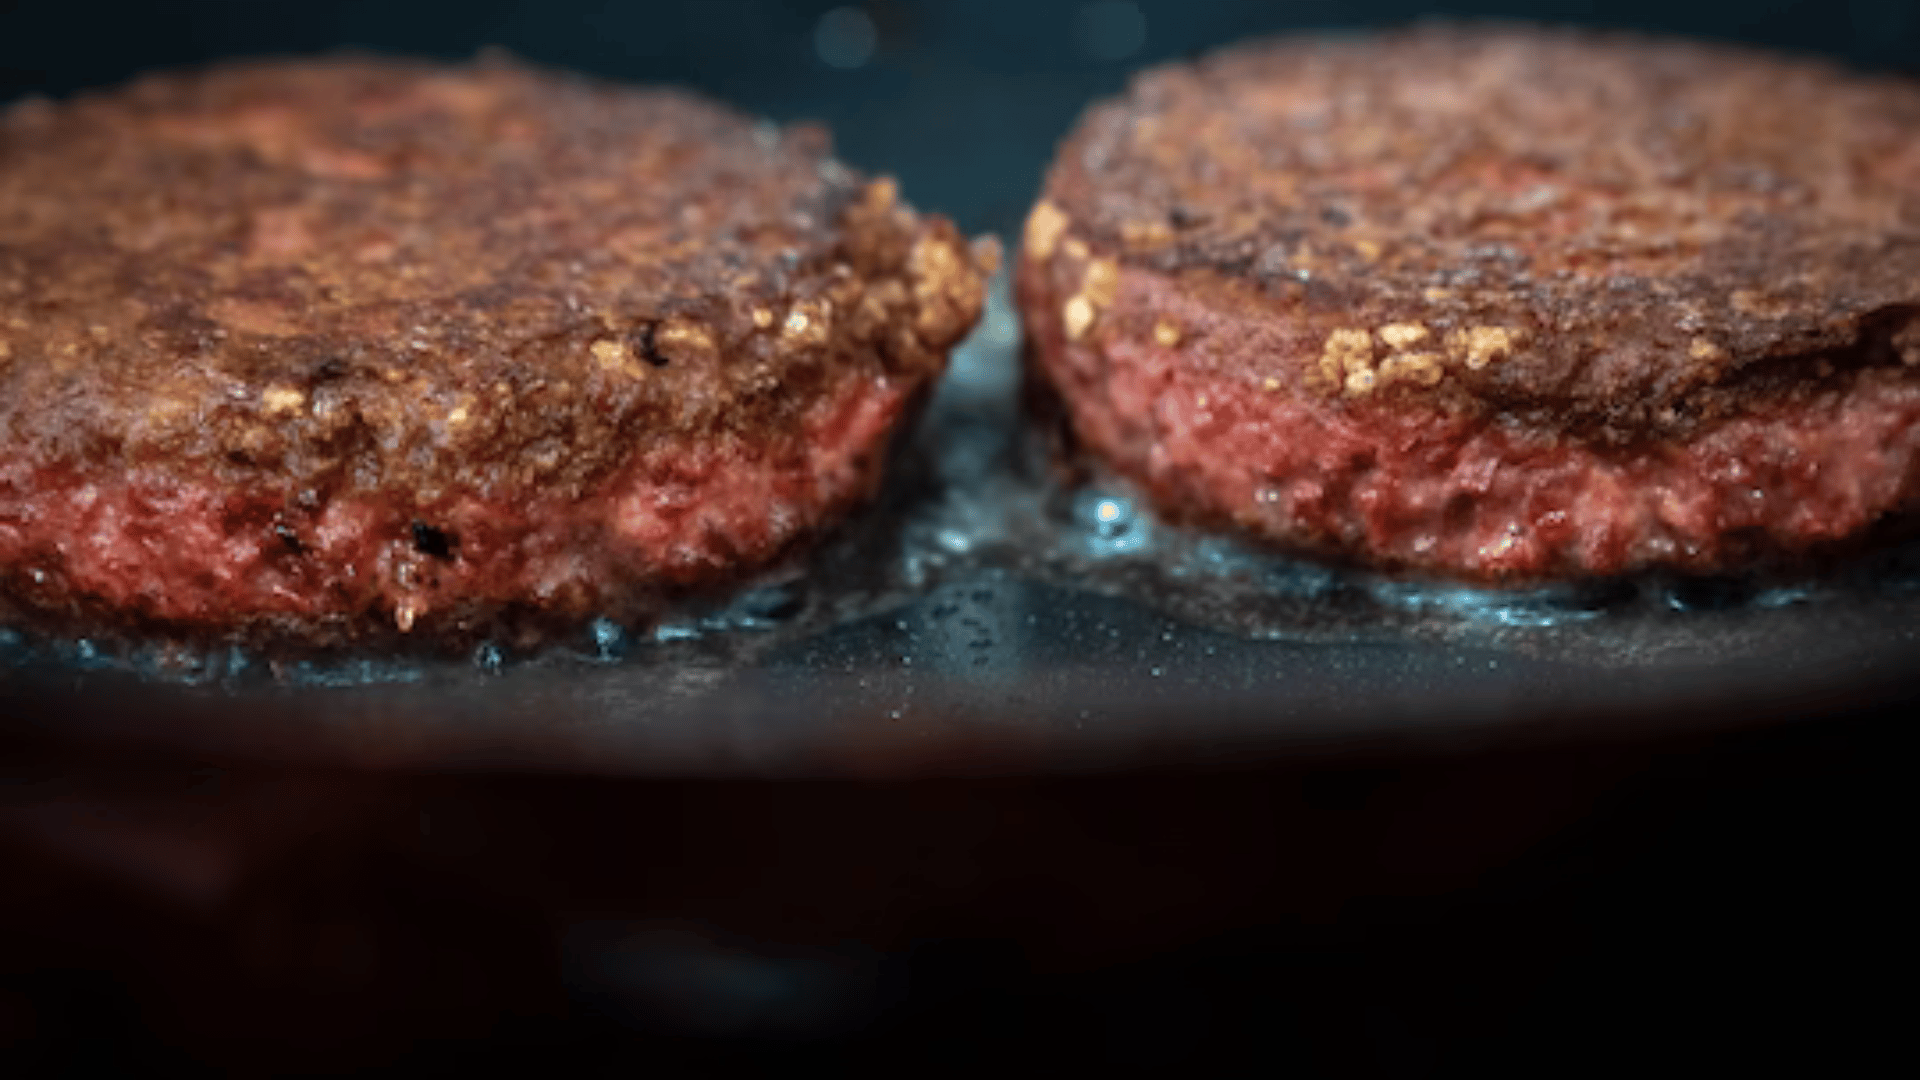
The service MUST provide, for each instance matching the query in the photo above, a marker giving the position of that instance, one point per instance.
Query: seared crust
(380, 274)
(1596, 232)
(402, 289)
(1495, 303)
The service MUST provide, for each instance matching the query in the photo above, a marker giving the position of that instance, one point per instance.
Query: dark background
(1714, 900)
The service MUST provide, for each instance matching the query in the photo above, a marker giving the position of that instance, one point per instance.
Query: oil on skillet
(974, 501)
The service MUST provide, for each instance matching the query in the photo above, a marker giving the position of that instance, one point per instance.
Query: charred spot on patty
(329, 370)
(433, 542)
(646, 343)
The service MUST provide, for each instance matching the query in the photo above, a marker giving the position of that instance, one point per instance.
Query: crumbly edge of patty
(1217, 406)
(559, 412)
(1434, 364)
(349, 565)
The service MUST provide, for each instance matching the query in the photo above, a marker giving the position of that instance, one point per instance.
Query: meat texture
(1494, 303)
(332, 349)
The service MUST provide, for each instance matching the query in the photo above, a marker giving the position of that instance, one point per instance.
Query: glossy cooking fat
(339, 349)
(1497, 304)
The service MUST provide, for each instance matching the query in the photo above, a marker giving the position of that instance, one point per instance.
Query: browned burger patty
(1501, 304)
(310, 349)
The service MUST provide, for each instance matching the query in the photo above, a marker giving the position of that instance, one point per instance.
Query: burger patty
(1499, 304)
(326, 349)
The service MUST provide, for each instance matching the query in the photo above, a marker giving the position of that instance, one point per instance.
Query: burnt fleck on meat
(325, 350)
(1499, 304)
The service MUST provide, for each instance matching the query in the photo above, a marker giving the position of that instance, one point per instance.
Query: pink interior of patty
(1399, 483)
(188, 551)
